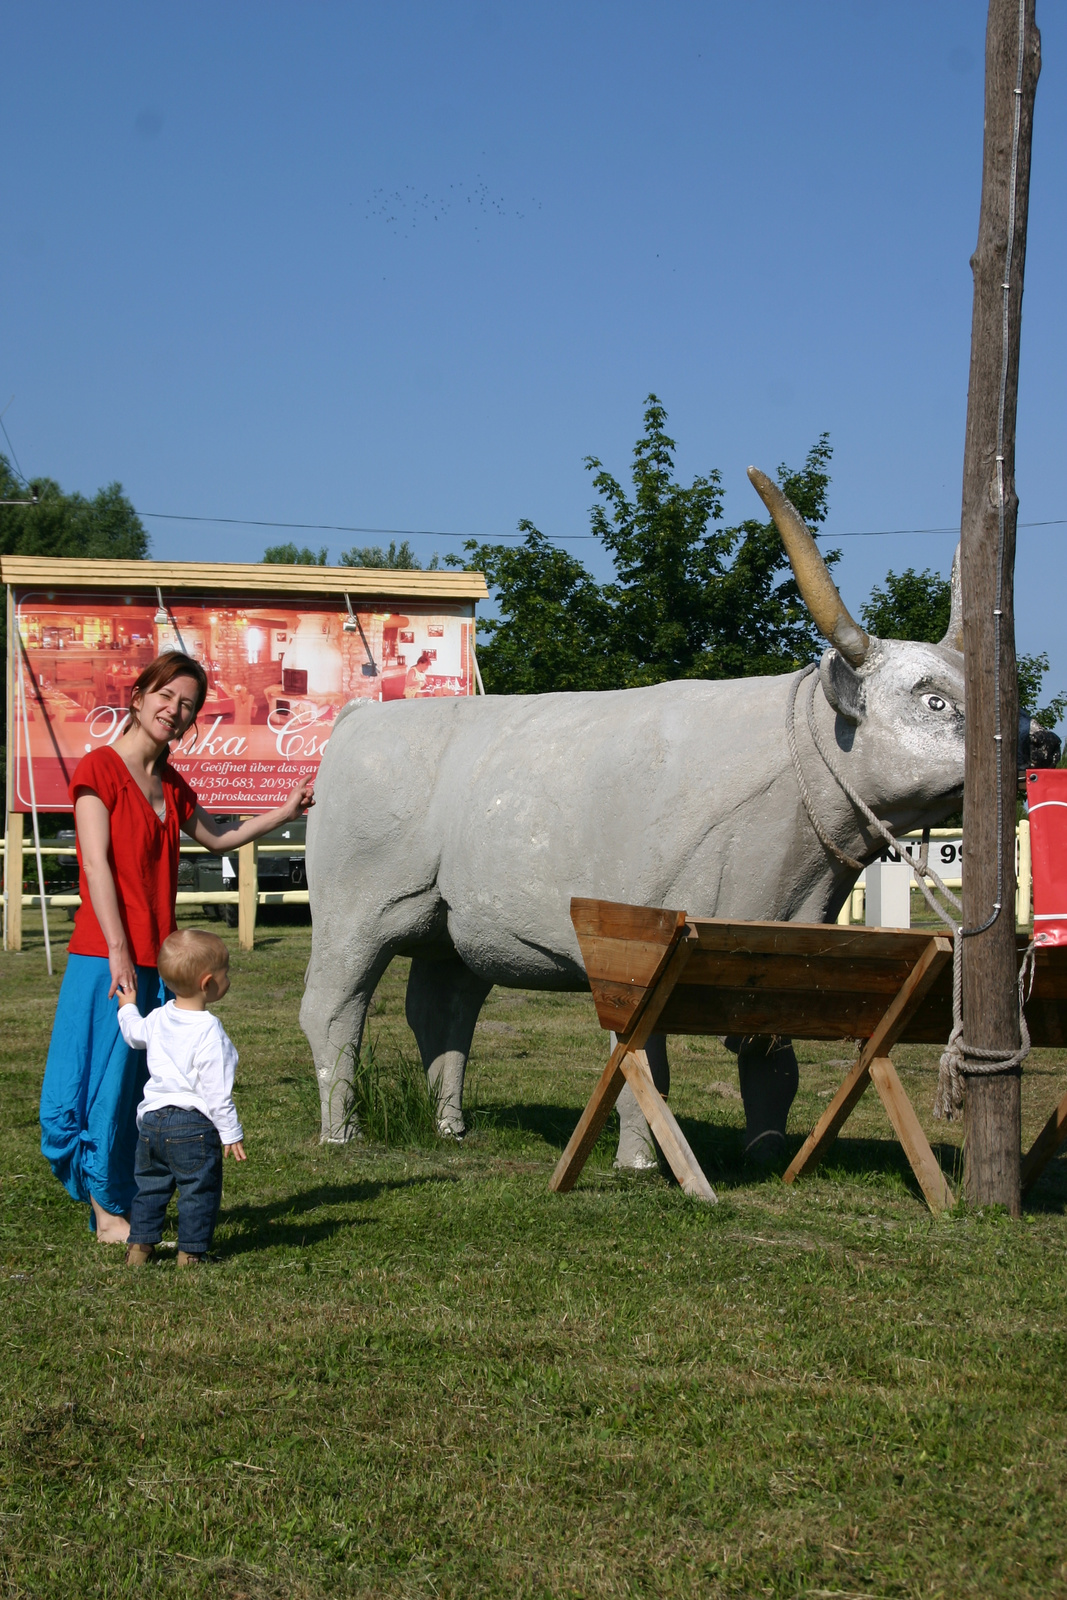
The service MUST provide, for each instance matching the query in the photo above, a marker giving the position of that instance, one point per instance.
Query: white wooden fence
(247, 897)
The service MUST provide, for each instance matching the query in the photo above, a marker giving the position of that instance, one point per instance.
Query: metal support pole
(33, 809)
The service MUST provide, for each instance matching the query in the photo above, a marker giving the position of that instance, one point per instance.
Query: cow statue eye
(934, 701)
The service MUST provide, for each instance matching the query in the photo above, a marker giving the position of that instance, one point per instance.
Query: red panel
(1046, 794)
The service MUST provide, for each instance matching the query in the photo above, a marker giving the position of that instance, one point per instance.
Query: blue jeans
(177, 1148)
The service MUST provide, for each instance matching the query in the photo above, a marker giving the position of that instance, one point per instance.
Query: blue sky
(405, 265)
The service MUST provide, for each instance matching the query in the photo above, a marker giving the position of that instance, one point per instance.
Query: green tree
(667, 557)
(1032, 670)
(103, 528)
(288, 555)
(911, 605)
(400, 557)
(688, 599)
(758, 623)
(555, 625)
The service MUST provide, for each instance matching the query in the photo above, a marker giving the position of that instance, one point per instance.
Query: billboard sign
(278, 674)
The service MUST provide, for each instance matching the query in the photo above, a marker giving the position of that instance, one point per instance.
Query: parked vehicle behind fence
(276, 873)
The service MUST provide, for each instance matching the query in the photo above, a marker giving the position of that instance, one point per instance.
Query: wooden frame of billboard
(190, 579)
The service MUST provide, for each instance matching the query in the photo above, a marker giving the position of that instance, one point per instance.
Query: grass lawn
(418, 1373)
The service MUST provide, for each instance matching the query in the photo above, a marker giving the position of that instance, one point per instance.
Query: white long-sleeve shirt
(191, 1063)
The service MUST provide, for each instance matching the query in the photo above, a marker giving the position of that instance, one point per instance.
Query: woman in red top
(130, 807)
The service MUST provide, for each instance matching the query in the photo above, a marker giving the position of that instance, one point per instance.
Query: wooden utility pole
(990, 964)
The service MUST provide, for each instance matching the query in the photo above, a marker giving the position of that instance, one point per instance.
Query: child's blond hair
(185, 957)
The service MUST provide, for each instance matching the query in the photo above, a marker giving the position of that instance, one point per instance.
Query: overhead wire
(440, 533)
(561, 538)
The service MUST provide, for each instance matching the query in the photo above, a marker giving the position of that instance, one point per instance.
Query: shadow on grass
(278, 1222)
(553, 1124)
(879, 1163)
(720, 1148)
(282, 916)
(877, 1160)
(1049, 1193)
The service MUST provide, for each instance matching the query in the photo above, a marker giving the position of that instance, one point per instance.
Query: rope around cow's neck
(958, 1060)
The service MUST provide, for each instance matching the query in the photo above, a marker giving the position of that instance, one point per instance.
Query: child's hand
(127, 994)
(237, 1151)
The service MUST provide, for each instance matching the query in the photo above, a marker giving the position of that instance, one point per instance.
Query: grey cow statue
(456, 832)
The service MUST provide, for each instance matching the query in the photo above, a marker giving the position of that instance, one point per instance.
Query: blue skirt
(93, 1083)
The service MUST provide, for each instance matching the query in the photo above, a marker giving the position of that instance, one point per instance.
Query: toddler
(187, 1120)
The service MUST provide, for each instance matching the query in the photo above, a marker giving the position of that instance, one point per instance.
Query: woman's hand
(301, 799)
(123, 971)
(237, 1151)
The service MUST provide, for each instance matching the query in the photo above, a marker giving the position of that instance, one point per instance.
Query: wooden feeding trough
(654, 970)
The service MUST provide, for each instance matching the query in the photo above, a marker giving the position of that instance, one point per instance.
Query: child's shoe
(139, 1255)
(186, 1260)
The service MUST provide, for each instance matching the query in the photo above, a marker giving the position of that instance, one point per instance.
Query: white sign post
(888, 897)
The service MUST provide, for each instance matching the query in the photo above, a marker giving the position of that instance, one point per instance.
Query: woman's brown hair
(163, 670)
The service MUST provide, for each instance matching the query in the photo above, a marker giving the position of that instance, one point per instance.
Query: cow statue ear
(842, 686)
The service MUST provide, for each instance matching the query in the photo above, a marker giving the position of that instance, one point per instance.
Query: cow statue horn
(817, 589)
(953, 639)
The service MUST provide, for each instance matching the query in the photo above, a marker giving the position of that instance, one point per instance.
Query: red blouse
(143, 855)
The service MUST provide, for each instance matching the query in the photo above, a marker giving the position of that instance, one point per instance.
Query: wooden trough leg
(1045, 1145)
(604, 1096)
(832, 1120)
(932, 1181)
(912, 992)
(661, 1119)
(590, 1123)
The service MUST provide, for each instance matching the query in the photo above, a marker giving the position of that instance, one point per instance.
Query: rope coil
(959, 1060)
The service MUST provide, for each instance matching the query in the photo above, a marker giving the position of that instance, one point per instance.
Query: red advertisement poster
(278, 676)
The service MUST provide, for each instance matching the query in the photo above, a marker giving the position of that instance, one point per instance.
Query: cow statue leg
(768, 1075)
(637, 1148)
(443, 1001)
(332, 1014)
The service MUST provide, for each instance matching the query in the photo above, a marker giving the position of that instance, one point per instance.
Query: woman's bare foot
(110, 1229)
